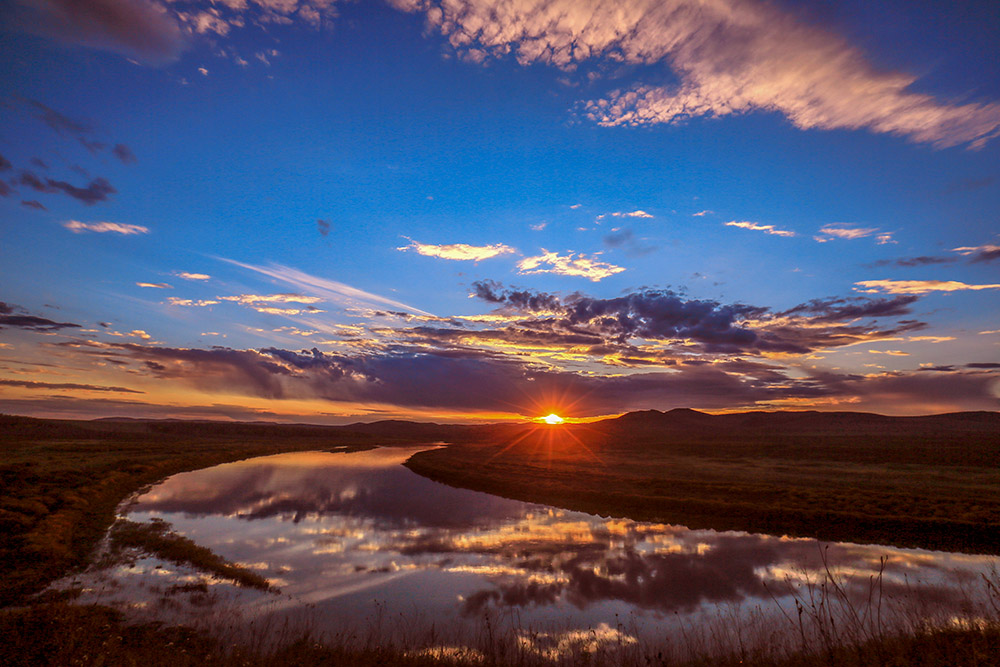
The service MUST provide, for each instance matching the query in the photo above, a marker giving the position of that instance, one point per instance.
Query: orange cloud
(918, 286)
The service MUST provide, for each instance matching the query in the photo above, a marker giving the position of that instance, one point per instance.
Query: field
(915, 482)
(929, 483)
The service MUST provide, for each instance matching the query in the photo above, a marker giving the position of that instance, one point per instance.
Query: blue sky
(322, 211)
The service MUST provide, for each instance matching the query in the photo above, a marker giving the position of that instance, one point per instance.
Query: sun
(553, 419)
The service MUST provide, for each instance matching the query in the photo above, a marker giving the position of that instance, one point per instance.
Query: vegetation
(913, 482)
(156, 538)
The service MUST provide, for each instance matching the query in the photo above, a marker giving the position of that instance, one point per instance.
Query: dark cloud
(65, 385)
(910, 262)
(626, 240)
(851, 308)
(60, 123)
(15, 316)
(40, 163)
(663, 315)
(970, 184)
(985, 255)
(529, 301)
(124, 153)
(5, 164)
(33, 203)
(324, 227)
(139, 29)
(4, 189)
(97, 190)
(983, 364)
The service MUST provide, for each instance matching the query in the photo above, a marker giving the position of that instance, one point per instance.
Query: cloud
(156, 285)
(757, 227)
(918, 286)
(139, 29)
(26, 384)
(476, 380)
(96, 191)
(324, 227)
(849, 232)
(638, 213)
(852, 308)
(78, 227)
(910, 262)
(698, 325)
(984, 253)
(192, 276)
(124, 153)
(330, 290)
(568, 265)
(248, 299)
(261, 303)
(459, 251)
(191, 303)
(730, 56)
(5, 164)
(15, 316)
(626, 239)
(33, 203)
(700, 214)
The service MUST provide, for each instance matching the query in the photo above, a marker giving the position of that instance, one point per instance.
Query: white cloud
(78, 227)
(247, 299)
(852, 232)
(568, 265)
(757, 227)
(700, 214)
(638, 213)
(192, 276)
(156, 285)
(459, 251)
(731, 57)
(918, 286)
(193, 303)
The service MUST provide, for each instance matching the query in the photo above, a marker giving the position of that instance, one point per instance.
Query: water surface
(356, 539)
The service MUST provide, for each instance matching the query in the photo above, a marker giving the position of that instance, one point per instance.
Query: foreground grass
(63, 635)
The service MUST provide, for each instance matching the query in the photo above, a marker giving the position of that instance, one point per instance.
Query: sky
(329, 211)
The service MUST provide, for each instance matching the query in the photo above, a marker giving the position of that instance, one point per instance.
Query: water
(357, 543)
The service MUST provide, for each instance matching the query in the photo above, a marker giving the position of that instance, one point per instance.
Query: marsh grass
(156, 539)
(823, 623)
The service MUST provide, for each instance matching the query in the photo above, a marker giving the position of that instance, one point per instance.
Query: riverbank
(908, 482)
(60, 482)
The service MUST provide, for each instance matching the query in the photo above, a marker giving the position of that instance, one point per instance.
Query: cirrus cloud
(78, 227)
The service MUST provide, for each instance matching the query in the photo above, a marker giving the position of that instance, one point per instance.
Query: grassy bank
(910, 483)
(60, 482)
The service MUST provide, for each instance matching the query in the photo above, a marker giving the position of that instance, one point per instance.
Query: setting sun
(553, 419)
